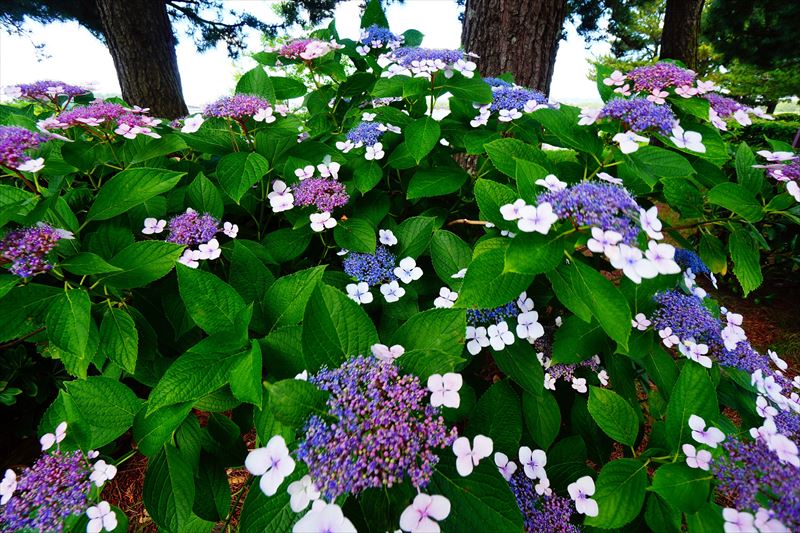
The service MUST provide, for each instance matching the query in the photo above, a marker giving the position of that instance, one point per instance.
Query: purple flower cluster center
(377, 34)
(27, 249)
(54, 488)
(383, 429)
(512, 97)
(486, 317)
(688, 318)
(566, 371)
(602, 205)
(192, 228)
(324, 193)
(13, 143)
(237, 107)
(408, 55)
(541, 513)
(41, 90)
(640, 114)
(366, 133)
(371, 268)
(99, 111)
(723, 105)
(660, 76)
(687, 259)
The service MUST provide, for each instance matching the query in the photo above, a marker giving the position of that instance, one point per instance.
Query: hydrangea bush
(383, 339)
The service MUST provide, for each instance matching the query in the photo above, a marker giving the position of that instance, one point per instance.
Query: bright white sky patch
(75, 56)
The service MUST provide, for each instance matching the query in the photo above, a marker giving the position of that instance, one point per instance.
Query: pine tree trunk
(681, 31)
(139, 36)
(517, 36)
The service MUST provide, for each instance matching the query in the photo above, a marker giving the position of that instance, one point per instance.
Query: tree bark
(517, 36)
(139, 36)
(679, 37)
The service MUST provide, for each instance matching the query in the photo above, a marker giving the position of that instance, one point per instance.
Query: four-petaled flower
(696, 458)
(192, 124)
(102, 472)
(468, 457)
(424, 513)
(359, 292)
(386, 353)
(386, 237)
(499, 336)
(629, 141)
(272, 462)
(710, 437)
(603, 241)
(444, 389)
(632, 263)
(640, 322)
(650, 223)
(392, 291)
(153, 225)
(528, 326)
(305, 172)
(691, 140)
(504, 465)
(321, 221)
(536, 218)
(552, 183)
(695, 352)
(533, 462)
(48, 439)
(616, 78)
(738, 522)
(8, 486)
(446, 298)
(324, 518)
(407, 270)
(281, 197)
(101, 517)
(581, 491)
(210, 250)
(477, 338)
(230, 229)
(301, 493)
(512, 211)
(374, 152)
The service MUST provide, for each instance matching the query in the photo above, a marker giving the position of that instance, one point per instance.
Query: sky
(73, 55)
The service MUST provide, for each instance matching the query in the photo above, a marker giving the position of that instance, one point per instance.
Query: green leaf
(87, 263)
(696, 107)
(119, 339)
(239, 171)
(498, 416)
(151, 148)
(505, 152)
(487, 284)
(620, 493)
(213, 305)
(527, 175)
(661, 516)
(366, 175)
(542, 417)
(292, 401)
(23, 309)
(563, 123)
(204, 196)
(661, 162)
(614, 415)
(440, 330)
(532, 253)
(248, 275)
(745, 255)
(212, 497)
(480, 502)
(168, 491)
(151, 431)
(490, 196)
(413, 235)
(424, 363)
(426, 183)
(287, 88)
(682, 487)
(142, 263)
(373, 14)
(518, 361)
(198, 372)
(246, 376)
(684, 196)
(356, 235)
(693, 395)
(256, 81)
(748, 177)
(286, 299)
(421, 136)
(737, 199)
(107, 407)
(561, 282)
(269, 513)
(577, 341)
(449, 254)
(712, 252)
(706, 520)
(130, 188)
(605, 301)
(334, 328)
(68, 320)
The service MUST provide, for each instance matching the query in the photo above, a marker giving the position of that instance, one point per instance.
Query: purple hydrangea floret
(53, 489)
(687, 259)
(381, 430)
(13, 143)
(27, 249)
(373, 269)
(541, 513)
(724, 106)
(192, 228)
(324, 193)
(407, 55)
(366, 133)
(237, 107)
(47, 89)
(640, 114)
(486, 317)
(660, 76)
(378, 36)
(513, 97)
(602, 205)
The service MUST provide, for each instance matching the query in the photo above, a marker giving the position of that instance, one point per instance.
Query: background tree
(680, 35)
(140, 36)
(518, 36)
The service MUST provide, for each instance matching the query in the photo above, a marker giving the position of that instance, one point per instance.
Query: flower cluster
(307, 49)
(14, 141)
(45, 90)
(640, 114)
(27, 249)
(601, 205)
(129, 122)
(325, 194)
(240, 107)
(543, 513)
(376, 37)
(485, 317)
(56, 487)
(508, 101)
(722, 107)
(193, 229)
(367, 133)
(372, 269)
(425, 62)
(488, 327)
(379, 269)
(385, 430)
(567, 373)
(785, 167)
(660, 76)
